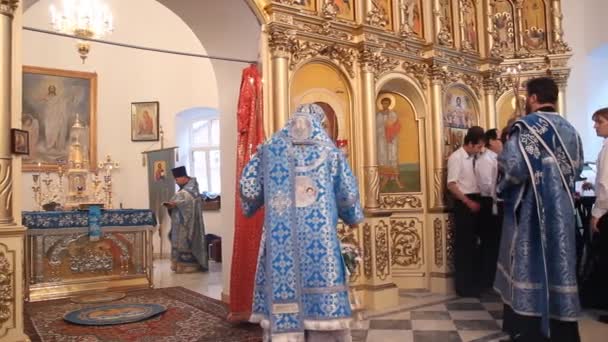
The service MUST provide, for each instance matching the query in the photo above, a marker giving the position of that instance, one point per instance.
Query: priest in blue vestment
(187, 235)
(536, 271)
(306, 185)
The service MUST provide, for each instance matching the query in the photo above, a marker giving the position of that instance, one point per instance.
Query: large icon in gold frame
(397, 144)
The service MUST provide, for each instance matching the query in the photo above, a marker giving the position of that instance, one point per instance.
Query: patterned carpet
(190, 317)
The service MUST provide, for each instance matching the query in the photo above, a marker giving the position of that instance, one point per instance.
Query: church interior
(94, 117)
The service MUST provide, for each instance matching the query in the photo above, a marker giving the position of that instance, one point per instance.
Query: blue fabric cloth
(306, 184)
(94, 224)
(536, 273)
(188, 228)
(79, 219)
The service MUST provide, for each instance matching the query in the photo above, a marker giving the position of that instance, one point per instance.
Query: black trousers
(490, 228)
(466, 251)
(528, 329)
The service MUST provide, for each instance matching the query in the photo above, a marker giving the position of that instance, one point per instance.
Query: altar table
(63, 259)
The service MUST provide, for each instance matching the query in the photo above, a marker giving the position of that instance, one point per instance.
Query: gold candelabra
(514, 75)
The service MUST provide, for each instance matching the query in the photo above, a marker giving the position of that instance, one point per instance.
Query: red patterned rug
(190, 317)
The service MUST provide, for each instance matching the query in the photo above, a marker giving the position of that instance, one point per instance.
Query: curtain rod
(189, 54)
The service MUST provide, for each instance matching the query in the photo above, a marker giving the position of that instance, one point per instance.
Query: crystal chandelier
(88, 19)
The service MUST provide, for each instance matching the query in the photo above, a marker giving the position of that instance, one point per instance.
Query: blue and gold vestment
(536, 271)
(306, 184)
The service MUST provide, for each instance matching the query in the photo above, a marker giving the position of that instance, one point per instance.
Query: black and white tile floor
(448, 320)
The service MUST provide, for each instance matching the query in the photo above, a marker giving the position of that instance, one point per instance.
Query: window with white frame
(205, 154)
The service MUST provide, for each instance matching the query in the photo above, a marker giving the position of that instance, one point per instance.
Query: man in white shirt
(600, 208)
(486, 171)
(462, 184)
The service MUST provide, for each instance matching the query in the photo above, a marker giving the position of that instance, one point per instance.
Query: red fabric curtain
(247, 231)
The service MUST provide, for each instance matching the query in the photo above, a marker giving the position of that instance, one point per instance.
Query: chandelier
(86, 19)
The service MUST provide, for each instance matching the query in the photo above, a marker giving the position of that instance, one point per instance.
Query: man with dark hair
(536, 270)
(486, 170)
(462, 184)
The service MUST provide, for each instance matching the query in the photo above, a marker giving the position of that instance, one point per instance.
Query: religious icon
(469, 39)
(51, 100)
(346, 9)
(144, 121)
(397, 144)
(534, 24)
(20, 141)
(411, 17)
(160, 170)
(459, 114)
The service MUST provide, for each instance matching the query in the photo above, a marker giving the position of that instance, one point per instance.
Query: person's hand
(169, 205)
(473, 206)
(593, 224)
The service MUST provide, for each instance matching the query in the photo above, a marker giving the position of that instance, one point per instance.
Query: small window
(205, 154)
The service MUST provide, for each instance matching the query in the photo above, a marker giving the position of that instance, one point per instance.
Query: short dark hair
(475, 135)
(491, 134)
(544, 88)
(603, 112)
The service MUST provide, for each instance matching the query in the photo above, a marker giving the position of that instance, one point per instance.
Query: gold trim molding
(438, 243)
(367, 251)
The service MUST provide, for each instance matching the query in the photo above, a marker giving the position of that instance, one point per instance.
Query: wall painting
(397, 144)
(459, 114)
(534, 24)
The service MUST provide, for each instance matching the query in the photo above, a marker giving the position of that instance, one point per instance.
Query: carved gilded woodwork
(379, 13)
(445, 33)
(302, 50)
(7, 291)
(418, 71)
(438, 241)
(367, 251)
(383, 269)
(325, 29)
(449, 242)
(396, 202)
(373, 60)
(406, 242)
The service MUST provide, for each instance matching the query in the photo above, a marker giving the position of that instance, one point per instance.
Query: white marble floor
(420, 316)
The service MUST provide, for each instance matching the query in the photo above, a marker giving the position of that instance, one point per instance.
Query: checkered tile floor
(456, 320)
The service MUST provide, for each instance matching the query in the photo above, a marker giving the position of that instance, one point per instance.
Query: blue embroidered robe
(536, 271)
(187, 228)
(306, 184)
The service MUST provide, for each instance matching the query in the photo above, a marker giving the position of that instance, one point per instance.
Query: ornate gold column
(490, 85)
(280, 49)
(562, 81)
(368, 96)
(11, 235)
(437, 183)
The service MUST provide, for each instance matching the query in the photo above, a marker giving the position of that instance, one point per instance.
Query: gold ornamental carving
(367, 251)
(6, 289)
(350, 235)
(8, 7)
(329, 10)
(377, 16)
(372, 60)
(400, 202)
(303, 50)
(326, 30)
(438, 237)
(419, 71)
(281, 42)
(406, 248)
(382, 251)
(449, 242)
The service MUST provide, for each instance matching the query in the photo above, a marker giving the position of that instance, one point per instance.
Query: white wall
(128, 75)
(588, 85)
